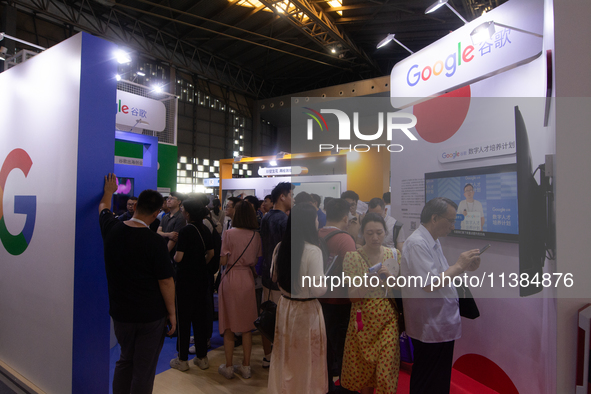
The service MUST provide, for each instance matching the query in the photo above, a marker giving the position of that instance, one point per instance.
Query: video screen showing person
(486, 198)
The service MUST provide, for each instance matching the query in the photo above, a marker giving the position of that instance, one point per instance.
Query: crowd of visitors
(162, 282)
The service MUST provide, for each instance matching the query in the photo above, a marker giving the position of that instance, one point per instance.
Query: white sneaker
(242, 370)
(226, 372)
(192, 349)
(266, 363)
(202, 363)
(180, 365)
(192, 339)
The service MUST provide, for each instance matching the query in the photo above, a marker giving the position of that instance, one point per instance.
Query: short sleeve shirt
(193, 241)
(272, 229)
(429, 317)
(135, 259)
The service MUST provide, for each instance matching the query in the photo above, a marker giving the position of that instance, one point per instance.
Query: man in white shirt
(471, 207)
(376, 205)
(432, 315)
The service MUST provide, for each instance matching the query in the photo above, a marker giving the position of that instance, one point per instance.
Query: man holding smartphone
(432, 315)
(141, 289)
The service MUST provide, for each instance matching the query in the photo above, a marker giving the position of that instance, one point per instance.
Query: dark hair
(374, 202)
(282, 189)
(235, 200)
(302, 198)
(316, 199)
(132, 198)
(386, 197)
(203, 198)
(350, 194)
(149, 202)
(178, 195)
(436, 206)
(373, 217)
(269, 197)
(245, 216)
(254, 201)
(216, 206)
(301, 228)
(468, 184)
(196, 210)
(336, 209)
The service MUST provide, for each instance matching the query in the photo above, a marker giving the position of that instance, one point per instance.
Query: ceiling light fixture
(141, 74)
(122, 57)
(390, 37)
(4, 35)
(440, 3)
(486, 30)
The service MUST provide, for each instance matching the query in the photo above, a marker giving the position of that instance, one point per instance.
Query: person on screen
(470, 205)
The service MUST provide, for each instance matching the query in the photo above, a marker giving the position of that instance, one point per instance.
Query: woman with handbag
(298, 364)
(241, 248)
(372, 353)
(194, 249)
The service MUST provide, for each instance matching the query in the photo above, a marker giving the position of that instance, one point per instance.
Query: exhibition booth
(56, 338)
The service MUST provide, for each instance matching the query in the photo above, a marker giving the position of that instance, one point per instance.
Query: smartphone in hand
(484, 248)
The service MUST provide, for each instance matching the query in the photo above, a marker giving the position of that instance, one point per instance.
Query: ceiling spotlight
(440, 3)
(390, 37)
(486, 30)
(3, 51)
(333, 50)
(118, 77)
(273, 163)
(122, 57)
(158, 89)
(141, 74)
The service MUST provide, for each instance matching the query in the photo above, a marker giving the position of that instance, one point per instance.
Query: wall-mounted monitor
(124, 191)
(486, 198)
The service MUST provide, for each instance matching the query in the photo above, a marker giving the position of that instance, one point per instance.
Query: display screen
(124, 191)
(486, 198)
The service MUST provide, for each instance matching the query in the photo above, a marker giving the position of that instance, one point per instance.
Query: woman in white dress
(298, 364)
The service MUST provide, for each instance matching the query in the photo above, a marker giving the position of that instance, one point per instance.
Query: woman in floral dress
(372, 354)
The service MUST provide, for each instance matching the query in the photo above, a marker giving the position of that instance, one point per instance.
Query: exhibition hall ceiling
(262, 48)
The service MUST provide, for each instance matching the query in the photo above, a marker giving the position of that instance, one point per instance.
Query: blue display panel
(486, 198)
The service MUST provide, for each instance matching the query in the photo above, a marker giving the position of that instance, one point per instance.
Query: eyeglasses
(469, 191)
(451, 221)
(171, 198)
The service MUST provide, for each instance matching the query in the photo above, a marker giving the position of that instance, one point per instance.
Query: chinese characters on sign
(477, 151)
(129, 161)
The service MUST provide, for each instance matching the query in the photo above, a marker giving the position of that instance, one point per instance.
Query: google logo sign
(27, 205)
(450, 65)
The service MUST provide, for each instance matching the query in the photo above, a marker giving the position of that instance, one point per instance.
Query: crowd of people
(162, 256)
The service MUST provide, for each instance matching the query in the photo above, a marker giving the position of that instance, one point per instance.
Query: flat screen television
(124, 191)
(534, 211)
(486, 198)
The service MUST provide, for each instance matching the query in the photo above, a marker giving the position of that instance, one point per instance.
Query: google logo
(450, 64)
(451, 155)
(27, 205)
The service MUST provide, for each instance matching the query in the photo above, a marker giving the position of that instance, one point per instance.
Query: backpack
(326, 256)
(214, 264)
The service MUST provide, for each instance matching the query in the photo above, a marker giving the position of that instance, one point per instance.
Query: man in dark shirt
(141, 289)
(131, 201)
(172, 222)
(337, 309)
(273, 227)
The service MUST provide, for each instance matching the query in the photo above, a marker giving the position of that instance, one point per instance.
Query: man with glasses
(131, 203)
(173, 221)
(472, 210)
(432, 315)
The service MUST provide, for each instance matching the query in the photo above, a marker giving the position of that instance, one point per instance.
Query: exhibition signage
(140, 112)
(477, 151)
(211, 182)
(458, 59)
(282, 171)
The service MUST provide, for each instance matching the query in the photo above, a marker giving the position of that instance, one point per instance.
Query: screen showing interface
(486, 198)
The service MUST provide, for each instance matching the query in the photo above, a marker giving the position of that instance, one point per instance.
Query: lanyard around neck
(139, 221)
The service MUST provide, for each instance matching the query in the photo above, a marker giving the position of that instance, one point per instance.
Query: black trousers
(210, 306)
(336, 320)
(192, 309)
(431, 370)
(141, 344)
